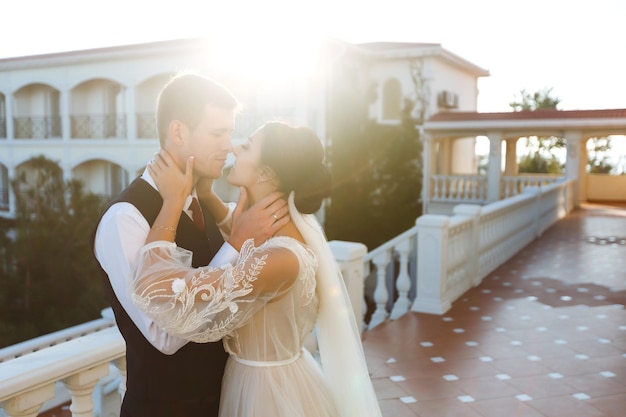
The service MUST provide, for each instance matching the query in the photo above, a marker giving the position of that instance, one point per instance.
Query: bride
(266, 304)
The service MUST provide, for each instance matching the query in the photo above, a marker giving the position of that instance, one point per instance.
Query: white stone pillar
(427, 163)
(432, 264)
(510, 162)
(350, 255)
(12, 198)
(444, 158)
(66, 123)
(494, 168)
(576, 164)
(131, 113)
(8, 102)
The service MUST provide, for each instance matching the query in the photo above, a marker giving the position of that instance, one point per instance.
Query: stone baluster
(120, 363)
(28, 403)
(403, 283)
(81, 386)
(381, 295)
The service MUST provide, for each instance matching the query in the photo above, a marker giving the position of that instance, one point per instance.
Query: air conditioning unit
(448, 100)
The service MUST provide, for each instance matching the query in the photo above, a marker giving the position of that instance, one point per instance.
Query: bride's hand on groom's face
(259, 221)
(171, 182)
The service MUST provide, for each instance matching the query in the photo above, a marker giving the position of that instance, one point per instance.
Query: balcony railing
(32, 127)
(458, 189)
(515, 185)
(426, 269)
(98, 126)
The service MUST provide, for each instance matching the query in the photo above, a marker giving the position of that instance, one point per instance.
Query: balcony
(98, 126)
(529, 300)
(43, 127)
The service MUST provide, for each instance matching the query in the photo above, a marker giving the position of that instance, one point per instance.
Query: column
(9, 114)
(432, 264)
(576, 164)
(510, 161)
(131, 113)
(494, 168)
(349, 256)
(66, 125)
(427, 155)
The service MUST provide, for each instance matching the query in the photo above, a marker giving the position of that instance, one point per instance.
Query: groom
(167, 376)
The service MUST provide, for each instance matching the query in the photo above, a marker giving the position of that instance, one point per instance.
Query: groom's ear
(177, 132)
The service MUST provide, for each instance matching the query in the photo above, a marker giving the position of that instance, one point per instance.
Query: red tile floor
(544, 335)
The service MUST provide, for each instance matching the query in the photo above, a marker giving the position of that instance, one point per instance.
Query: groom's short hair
(185, 97)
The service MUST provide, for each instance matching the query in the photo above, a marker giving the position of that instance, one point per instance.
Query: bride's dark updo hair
(297, 157)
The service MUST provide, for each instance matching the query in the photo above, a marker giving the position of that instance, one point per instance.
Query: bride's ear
(266, 174)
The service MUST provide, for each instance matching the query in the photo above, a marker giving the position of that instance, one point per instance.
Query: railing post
(473, 211)
(349, 256)
(432, 264)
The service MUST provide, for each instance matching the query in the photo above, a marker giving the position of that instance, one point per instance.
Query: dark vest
(187, 383)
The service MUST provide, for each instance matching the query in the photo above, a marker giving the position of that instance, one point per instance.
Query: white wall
(605, 187)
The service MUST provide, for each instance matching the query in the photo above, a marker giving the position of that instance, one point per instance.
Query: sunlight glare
(269, 57)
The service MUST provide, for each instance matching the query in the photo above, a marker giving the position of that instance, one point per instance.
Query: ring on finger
(275, 216)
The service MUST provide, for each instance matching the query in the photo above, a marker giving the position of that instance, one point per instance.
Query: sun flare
(273, 58)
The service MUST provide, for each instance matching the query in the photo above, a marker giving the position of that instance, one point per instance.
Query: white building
(93, 110)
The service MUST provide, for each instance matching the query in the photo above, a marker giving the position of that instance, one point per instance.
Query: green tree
(376, 168)
(51, 281)
(397, 182)
(540, 157)
(538, 100)
(597, 150)
(348, 211)
(536, 163)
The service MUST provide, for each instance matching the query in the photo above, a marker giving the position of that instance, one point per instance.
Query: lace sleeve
(205, 304)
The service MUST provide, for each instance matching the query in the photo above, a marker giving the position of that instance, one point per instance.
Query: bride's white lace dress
(263, 325)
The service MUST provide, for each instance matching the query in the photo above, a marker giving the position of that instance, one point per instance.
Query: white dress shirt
(120, 234)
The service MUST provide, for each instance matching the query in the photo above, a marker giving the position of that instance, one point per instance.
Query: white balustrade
(400, 251)
(512, 186)
(473, 188)
(459, 188)
(51, 339)
(437, 260)
(28, 381)
(456, 253)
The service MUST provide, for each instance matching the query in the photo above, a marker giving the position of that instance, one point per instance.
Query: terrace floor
(544, 335)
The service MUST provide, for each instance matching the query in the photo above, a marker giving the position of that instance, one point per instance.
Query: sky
(576, 48)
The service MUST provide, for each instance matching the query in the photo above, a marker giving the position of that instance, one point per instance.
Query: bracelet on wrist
(167, 228)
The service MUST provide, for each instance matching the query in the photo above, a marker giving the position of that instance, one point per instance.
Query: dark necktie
(196, 213)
